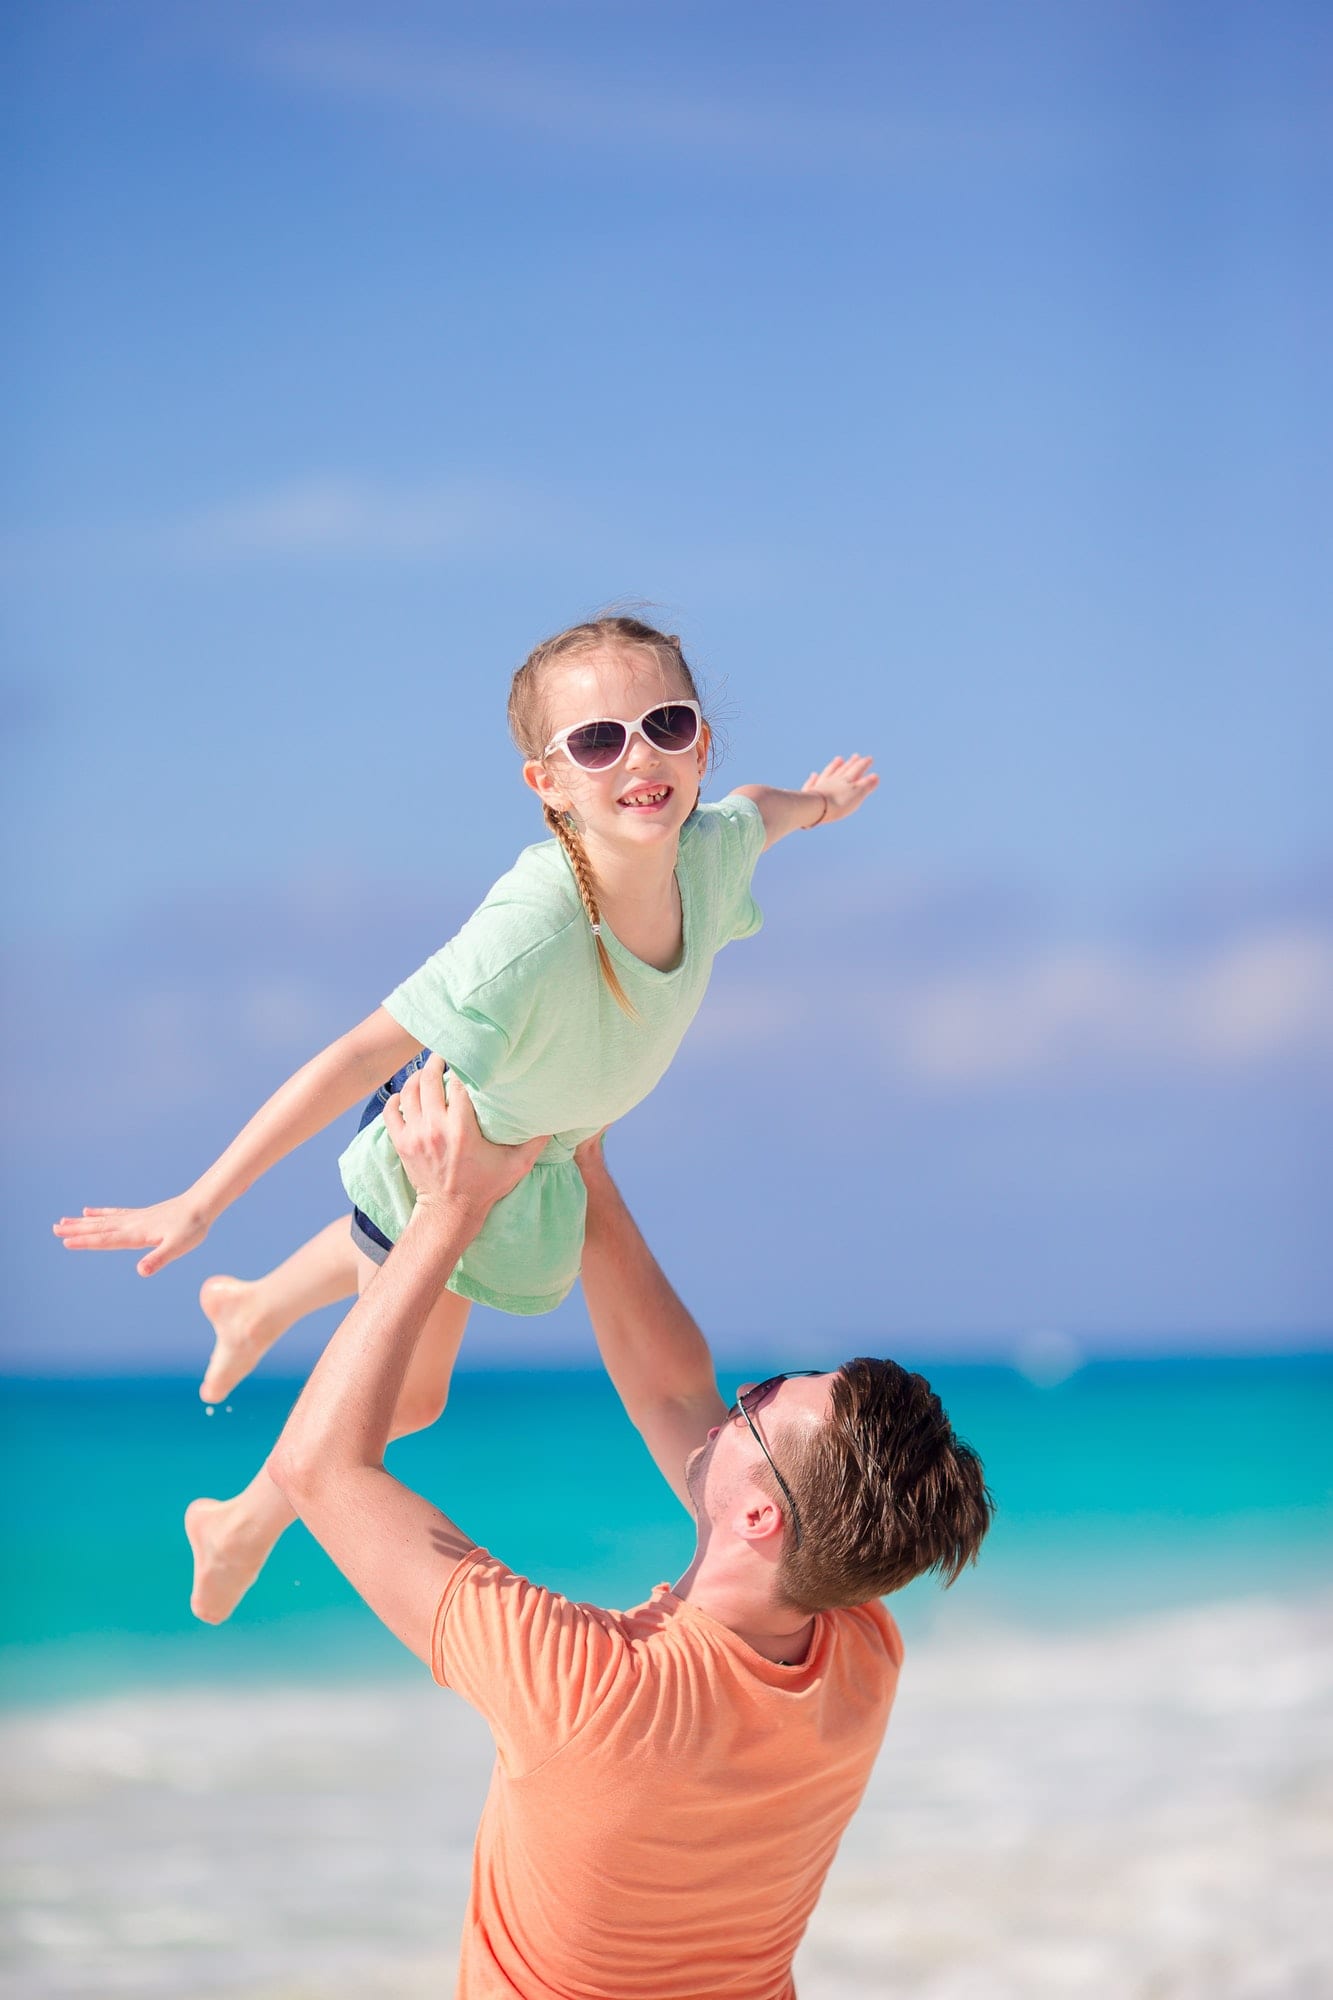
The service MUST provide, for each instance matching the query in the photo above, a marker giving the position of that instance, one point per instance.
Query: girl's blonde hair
(527, 726)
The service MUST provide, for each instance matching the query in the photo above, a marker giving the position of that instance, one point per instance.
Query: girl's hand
(168, 1229)
(846, 782)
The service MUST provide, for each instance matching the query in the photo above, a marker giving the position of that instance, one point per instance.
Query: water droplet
(209, 1411)
(229, 1409)
(1048, 1357)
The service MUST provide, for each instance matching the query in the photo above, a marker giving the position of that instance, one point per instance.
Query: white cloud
(325, 517)
(1271, 994)
(621, 114)
(346, 518)
(815, 127)
(319, 518)
(1266, 997)
(1098, 1014)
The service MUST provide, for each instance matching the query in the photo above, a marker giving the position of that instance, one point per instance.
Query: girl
(559, 1004)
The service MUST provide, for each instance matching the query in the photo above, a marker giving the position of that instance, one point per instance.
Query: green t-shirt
(515, 1004)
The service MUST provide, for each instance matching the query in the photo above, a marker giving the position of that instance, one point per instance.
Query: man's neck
(776, 1631)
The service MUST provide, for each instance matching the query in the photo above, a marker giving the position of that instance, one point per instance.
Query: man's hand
(589, 1157)
(443, 1151)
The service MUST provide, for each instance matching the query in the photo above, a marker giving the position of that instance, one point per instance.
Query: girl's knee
(419, 1408)
(422, 1398)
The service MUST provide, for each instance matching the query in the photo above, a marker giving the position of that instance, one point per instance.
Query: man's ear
(759, 1520)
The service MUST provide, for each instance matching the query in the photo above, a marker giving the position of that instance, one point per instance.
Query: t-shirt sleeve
(883, 1631)
(731, 842)
(534, 1664)
(470, 1001)
(873, 1630)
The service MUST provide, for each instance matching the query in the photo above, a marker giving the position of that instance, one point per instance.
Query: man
(671, 1782)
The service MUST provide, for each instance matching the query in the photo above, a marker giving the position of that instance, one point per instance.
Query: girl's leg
(231, 1539)
(248, 1315)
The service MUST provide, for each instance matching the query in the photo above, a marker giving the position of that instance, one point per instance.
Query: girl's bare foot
(242, 1335)
(224, 1566)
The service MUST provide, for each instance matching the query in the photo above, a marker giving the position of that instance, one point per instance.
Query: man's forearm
(344, 1415)
(393, 1546)
(651, 1346)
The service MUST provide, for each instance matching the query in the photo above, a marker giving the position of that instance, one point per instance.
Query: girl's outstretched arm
(836, 792)
(322, 1090)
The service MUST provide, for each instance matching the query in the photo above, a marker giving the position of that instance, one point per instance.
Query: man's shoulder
(539, 1666)
(485, 1590)
(872, 1629)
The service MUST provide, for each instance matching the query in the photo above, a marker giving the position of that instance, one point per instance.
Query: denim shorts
(367, 1235)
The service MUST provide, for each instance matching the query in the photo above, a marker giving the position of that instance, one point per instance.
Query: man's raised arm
(653, 1350)
(392, 1545)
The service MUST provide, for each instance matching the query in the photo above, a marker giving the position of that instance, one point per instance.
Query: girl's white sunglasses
(673, 726)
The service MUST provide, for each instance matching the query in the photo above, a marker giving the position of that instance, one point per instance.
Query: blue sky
(952, 378)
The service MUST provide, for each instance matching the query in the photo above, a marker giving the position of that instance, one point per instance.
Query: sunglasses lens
(671, 727)
(596, 745)
(755, 1395)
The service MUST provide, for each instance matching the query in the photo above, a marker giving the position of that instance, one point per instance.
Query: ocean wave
(1142, 1810)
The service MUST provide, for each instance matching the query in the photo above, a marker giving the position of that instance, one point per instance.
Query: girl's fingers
(849, 769)
(76, 1234)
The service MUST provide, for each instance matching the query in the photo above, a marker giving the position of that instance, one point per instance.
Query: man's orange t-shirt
(665, 1802)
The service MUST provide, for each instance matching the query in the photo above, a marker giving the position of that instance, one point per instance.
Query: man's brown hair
(884, 1489)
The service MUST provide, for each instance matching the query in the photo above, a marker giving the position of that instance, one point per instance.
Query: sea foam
(1140, 1810)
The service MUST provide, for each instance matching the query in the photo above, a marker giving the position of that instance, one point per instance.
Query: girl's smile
(646, 798)
(648, 788)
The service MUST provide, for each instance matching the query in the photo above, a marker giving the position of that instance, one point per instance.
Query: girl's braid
(569, 839)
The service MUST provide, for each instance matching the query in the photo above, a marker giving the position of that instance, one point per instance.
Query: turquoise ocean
(1108, 1770)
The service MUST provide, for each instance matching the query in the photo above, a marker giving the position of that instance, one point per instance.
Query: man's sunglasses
(755, 1396)
(673, 726)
